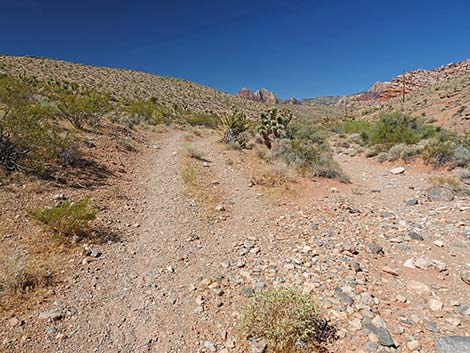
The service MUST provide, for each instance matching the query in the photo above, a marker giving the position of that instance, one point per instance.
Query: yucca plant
(235, 124)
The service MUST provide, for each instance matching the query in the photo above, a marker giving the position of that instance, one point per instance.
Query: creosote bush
(286, 319)
(30, 140)
(80, 106)
(68, 219)
(396, 135)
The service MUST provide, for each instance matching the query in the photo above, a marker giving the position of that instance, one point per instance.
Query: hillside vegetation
(135, 85)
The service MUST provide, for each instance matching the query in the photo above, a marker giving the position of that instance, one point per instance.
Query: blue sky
(295, 48)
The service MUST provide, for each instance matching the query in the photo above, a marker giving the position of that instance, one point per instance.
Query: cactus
(273, 125)
(235, 125)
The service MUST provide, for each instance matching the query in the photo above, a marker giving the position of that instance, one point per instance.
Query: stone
(465, 277)
(371, 346)
(220, 208)
(440, 194)
(423, 262)
(248, 292)
(418, 288)
(397, 170)
(410, 263)
(95, 253)
(431, 326)
(210, 346)
(415, 236)
(453, 344)
(413, 345)
(464, 310)
(257, 346)
(389, 270)
(384, 337)
(374, 248)
(346, 299)
(411, 202)
(435, 304)
(439, 243)
(51, 330)
(15, 322)
(50, 315)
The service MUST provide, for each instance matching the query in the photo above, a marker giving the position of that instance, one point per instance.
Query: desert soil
(387, 265)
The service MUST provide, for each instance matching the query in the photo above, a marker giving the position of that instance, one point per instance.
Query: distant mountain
(322, 100)
(265, 96)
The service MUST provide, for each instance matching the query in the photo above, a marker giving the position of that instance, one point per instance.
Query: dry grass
(277, 175)
(26, 273)
(449, 182)
(198, 187)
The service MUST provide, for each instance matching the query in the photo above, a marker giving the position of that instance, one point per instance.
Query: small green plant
(194, 153)
(235, 125)
(313, 159)
(273, 125)
(67, 219)
(209, 120)
(29, 136)
(81, 106)
(449, 182)
(285, 319)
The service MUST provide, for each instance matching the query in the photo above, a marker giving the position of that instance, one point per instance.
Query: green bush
(395, 128)
(201, 119)
(30, 140)
(314, 159)
(67, 219)
(80, 106)
(285, 319)
(145, 111)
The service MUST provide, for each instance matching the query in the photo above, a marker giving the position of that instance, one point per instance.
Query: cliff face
(265, 96)
(413, 80)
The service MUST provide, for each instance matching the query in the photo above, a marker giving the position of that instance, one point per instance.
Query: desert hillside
(129, 84)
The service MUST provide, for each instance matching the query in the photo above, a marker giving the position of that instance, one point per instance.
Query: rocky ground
(389, 265)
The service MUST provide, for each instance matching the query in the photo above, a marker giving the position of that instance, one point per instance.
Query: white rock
(397, 170)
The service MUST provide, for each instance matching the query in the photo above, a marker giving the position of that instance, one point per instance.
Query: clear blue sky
(295, 48)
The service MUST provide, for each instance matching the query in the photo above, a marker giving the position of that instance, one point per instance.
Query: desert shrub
(462, 174)
(314, 159)
(351, 126)
(394, 128)
(395, 152)
(67, 219)
(412, 151)
(278, 174)
(194, 153)
(273, 125)
(30, 140)
(439, 151)
(201, 119)
(236, 124)
(448, 182)
(14, 273)
(382, 157)
(135, 112)
(285, 319)
(80, 106)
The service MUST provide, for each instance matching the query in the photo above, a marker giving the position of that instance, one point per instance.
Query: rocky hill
(323, 100)
(123, 83)
(265, 96)
(414, 80)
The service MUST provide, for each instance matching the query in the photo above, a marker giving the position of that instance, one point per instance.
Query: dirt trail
(177, 281)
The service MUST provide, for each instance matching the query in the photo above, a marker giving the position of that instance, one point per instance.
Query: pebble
(210, 346)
